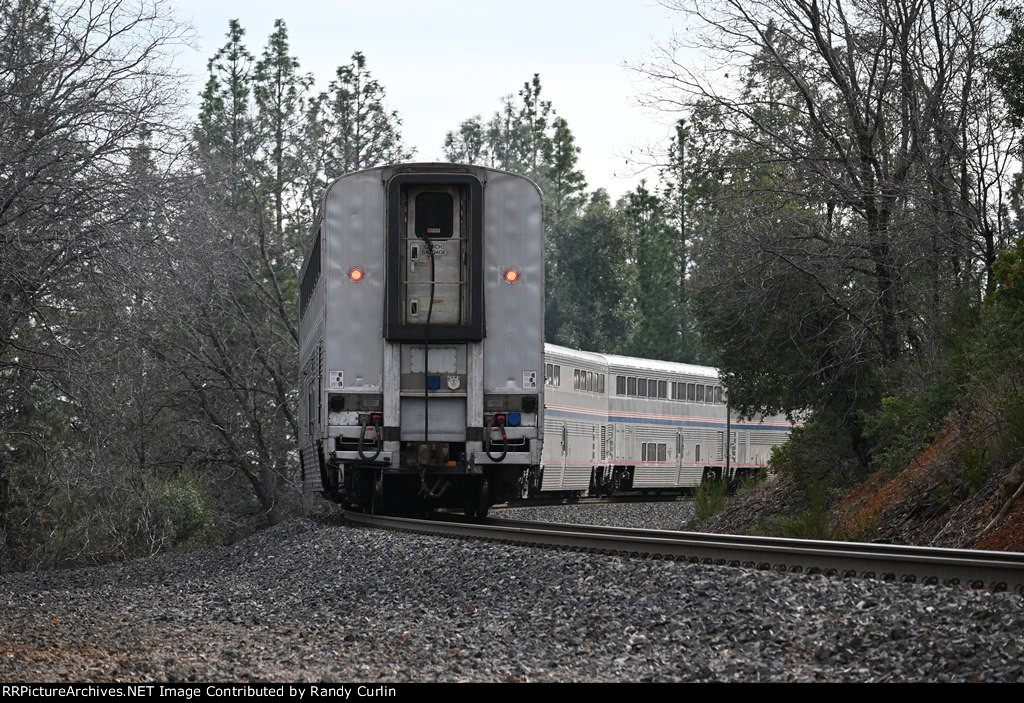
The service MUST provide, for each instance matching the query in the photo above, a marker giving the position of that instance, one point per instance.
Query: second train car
(615, 424)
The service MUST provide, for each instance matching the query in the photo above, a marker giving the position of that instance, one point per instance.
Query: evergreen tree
(280, 95)
(657, 333)
(566, 184)
(469, 145)
(534, 124)
(363, 133)
(226, 136)
(591, 303)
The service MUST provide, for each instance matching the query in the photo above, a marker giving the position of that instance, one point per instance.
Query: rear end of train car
(421, 339)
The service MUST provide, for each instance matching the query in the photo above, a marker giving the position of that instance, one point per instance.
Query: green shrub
(819, 451)
(906, 423)
(811, 523)
(189, 512)
(710, 497)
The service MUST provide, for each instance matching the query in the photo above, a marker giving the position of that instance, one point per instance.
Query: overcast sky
(444, 61)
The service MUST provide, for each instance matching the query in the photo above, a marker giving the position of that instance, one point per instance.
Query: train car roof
(631, 363)
(590, 357)
(670, 367)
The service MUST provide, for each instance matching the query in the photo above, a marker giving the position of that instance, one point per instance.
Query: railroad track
(995, 571)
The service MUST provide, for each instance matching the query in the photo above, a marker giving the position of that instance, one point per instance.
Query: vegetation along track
(997, 571)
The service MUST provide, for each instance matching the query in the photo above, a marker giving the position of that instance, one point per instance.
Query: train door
(679, 457)
(431, 214)
(434, 300)
(434, 288)
(565, 454)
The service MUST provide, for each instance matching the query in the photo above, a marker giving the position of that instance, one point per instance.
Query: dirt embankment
(940, 499)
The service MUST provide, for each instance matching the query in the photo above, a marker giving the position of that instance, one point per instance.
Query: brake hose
(504, 442)
(363, 437)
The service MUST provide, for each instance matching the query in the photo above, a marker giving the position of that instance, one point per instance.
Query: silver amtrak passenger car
(421, 339)
(615, 424)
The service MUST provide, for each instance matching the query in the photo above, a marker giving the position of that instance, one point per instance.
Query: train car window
(434, 215)
(631, 386)
(590, 381)
(709, 394)
(576, 381)
(674, 391)
(311, 276)
(718, 395)
(662, 452)
(663, 389)
(691, 392)
(696, 452)
(620, 385)
(558, 375)
(700, 394)
(641, 387)
(643, 456)
(548, 375)
(600, 383)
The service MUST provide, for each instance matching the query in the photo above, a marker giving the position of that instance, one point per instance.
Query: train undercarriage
(417, 489)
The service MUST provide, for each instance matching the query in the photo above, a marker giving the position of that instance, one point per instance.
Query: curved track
(996, 571)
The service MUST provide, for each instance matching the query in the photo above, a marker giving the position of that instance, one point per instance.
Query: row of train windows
(653, 451)
(591, 382)
(587, 381)
(683, 392)
(584, 381)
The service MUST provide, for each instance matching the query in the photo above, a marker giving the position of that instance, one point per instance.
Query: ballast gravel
(320, 601)
(651, 516)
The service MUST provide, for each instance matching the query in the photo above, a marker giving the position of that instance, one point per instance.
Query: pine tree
(592, 303)
(363, 133)
(657, 333)
(567, 185)
(469, 144)
(226, 134)
(280, 96)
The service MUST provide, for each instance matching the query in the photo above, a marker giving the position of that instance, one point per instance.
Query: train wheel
(478, 499)
(484, 500)
(377, 493)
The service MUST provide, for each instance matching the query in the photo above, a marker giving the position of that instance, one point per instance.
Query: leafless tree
(87, 93)
(863, 164)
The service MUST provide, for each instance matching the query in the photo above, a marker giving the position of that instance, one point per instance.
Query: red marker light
(511, 276)
(356, 275)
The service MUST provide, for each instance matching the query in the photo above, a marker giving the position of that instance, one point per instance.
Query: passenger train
(424, 380)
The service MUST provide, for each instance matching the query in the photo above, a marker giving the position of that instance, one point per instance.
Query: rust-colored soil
(866, 506)
(1008, 536)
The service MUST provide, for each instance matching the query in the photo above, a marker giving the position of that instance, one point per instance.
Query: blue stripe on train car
(668, 422)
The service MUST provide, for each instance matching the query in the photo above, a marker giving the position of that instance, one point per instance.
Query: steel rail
(996, 571)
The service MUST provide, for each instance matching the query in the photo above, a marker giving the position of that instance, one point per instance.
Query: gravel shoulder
(652, 516)
(319, 601)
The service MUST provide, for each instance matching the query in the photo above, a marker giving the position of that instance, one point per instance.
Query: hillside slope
(939, 500)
